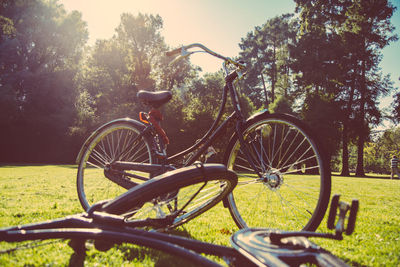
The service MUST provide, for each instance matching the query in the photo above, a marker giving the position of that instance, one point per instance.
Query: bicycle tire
(292, 185)
(118, 140)
(187, 192)
(112, 236)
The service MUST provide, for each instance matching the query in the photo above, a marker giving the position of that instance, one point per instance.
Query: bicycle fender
(255, 116)
(260, 113)
(134, 123)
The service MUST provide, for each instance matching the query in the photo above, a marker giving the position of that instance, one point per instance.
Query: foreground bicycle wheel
(291, 186)
(119, 141)
(176, 196)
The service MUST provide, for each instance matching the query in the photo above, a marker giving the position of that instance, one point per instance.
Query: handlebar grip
(173, 52)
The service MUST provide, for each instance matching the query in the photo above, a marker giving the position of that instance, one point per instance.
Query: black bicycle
(284, 177)
(251, 246)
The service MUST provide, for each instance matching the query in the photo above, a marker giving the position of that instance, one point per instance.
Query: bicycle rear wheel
(117, 141)
(180, 195)
(291, 185)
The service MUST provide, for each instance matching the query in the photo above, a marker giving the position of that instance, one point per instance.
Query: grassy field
(36, 193)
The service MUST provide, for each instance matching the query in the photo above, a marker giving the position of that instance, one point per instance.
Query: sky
(217, 24)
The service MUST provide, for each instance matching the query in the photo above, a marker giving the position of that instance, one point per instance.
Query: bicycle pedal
(338, 215)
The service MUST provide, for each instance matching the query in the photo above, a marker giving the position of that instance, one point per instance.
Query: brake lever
(183, 54)
(179, 58)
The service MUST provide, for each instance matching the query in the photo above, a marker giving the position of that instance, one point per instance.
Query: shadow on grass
(132, 252)
(13, 165)
(353, 263)
(368, 176)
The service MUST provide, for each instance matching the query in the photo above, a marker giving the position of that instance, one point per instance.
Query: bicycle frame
(235, 118)
(214, 132)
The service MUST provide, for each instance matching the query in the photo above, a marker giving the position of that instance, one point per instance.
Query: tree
(317, 64)
(379, 151)
(38, 61)
(318, 50)
(7, 29)
(396, 108)
(265, 51)
(369, 21)
(337, 57)
(117, 68)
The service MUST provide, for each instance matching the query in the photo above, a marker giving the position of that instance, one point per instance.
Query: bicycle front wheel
(176, 196)
(288, 186)
(119, 141)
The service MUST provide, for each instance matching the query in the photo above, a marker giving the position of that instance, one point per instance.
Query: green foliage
(322, 114)
(396, 108)
(322, 64)
(338, 53)
(377, 152)
(7, 29)
(38, 61)
(389, 142)
(265, 50)
(117, 68)
(281, 105)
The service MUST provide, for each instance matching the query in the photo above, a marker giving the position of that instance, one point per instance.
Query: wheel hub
(273, 179)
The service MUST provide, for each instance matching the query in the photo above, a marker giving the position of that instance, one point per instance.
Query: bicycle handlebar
(183, 53)
(173, 52)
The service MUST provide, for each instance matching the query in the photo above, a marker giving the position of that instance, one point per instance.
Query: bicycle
(284, 176)
(251, 246)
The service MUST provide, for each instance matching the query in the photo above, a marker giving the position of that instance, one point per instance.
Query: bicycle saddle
(154, 99)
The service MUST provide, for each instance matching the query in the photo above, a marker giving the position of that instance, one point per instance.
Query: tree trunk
(346, 123)
(361, 135)
(265, 91)
(345, 150)
(273, 78)
(360, 156)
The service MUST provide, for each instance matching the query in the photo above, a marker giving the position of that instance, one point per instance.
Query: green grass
(36, 193)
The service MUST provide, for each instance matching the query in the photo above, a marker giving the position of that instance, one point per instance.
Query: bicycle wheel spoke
(131, 147)
(137, 158)
(298, 162)
(287, 148)
(295, 150)
(258, 157)
(244, 160)
(116, 142)
(303, 199)
(96, 156)
(283, 154)
(104, 155)
(306, 191)
(243, 183)
(180, 198)
(287, 205)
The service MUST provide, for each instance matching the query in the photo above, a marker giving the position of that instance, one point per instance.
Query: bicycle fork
(245, 147)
